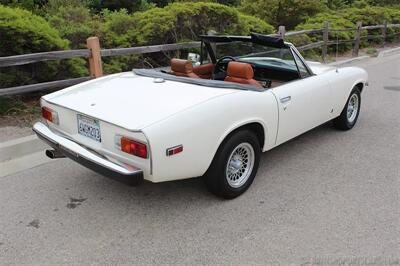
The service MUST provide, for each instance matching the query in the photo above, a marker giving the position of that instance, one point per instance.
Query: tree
(337, 4)
(384, 2)
(224, 2)
(23, 32)
(130, 5)
(177, 22)
(283, 12)
(74, 23)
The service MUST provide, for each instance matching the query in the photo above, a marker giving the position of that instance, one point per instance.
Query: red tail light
(50, 115)
(133, 147)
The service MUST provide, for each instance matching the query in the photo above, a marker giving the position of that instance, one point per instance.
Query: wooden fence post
(357, 39)
(282, 31)
(95, 64)
(325, 38)
(385, 32)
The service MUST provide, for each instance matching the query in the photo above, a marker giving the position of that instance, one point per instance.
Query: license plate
(89, 127)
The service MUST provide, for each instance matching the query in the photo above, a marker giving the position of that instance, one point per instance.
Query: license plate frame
(89, 127)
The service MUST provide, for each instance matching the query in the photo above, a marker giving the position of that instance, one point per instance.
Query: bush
(21, 33)
(347, 19)
(372, 15)
(74, 23)
(283, 12)
(336, 22)
(177, 22)
(185, 21)
(131, 6)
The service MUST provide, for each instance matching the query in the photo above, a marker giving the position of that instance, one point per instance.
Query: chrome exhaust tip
(54, 154)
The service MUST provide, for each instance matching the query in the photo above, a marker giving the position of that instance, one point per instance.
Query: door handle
(286, 99)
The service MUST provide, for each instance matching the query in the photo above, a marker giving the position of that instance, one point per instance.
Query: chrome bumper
(126, 174)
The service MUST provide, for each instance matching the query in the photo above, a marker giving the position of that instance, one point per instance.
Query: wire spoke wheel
(240, 165)
(352, 108)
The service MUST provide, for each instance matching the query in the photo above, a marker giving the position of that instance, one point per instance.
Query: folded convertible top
(262, 39)
(152, 73)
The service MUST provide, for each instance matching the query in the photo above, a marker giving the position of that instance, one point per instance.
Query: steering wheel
(220, 66)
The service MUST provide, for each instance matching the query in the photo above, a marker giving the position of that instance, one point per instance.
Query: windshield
(259, 55)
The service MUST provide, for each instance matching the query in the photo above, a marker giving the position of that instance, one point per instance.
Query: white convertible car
(213, 118)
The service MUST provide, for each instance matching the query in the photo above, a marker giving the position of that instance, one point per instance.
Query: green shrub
(10, 106)
(347, 19)
(131, 6)
(372, 15)
(74, 23)
(336, 22)
(21, 33)
(283, 12)
(177, 22)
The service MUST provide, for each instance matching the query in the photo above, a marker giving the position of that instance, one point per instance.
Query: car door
(303, 104)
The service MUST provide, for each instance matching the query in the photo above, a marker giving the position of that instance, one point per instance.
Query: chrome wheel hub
(240, 165)
(352, 108)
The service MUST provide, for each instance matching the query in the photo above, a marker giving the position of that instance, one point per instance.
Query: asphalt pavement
(326, 197)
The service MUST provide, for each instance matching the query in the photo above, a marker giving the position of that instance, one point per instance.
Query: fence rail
(42, 86)
(24, 59)
(94, 53)
(149, 49)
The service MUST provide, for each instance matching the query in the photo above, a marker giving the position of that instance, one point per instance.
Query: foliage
(22, 32)
(337, 4)
(176, 22)
(384, 2)
(64, 24)
(10, 105)
(131, 6)
(372, 15)
(74, 23)
(283, 12)
(336, 22)
(185, 21)
(224, 2)
(347, 19)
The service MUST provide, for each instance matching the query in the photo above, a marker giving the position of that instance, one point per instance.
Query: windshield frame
(210, 42)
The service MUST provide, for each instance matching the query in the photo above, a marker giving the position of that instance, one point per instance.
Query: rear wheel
(349, 116)
(234, 166)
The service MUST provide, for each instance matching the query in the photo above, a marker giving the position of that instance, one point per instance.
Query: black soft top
(266, 40)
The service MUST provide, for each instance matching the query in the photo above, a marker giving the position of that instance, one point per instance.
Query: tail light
(50, 115)
(132, 146)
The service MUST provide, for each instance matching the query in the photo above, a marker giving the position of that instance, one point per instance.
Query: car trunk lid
(131, 101)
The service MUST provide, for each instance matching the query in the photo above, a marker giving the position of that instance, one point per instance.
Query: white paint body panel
(134, 102)
(168, 114)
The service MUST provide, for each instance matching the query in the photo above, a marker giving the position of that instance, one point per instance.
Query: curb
(389, 52)
(350, 61)
(16, 148)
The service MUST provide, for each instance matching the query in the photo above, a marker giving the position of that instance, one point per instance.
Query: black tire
(343, 122)
(216, 178)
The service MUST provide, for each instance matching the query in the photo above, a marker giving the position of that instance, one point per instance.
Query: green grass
(11, 106)
(372, 52)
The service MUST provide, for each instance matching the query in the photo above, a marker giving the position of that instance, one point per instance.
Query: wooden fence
(94, 53)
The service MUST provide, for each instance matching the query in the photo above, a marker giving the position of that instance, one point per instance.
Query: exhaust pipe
(54, 154)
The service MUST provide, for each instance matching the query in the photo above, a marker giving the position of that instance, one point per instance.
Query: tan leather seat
(204, 71)
(241, 73)
(182, 68)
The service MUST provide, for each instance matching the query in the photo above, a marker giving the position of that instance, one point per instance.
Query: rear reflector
(133, 147)
(50, 115)
(174, 150)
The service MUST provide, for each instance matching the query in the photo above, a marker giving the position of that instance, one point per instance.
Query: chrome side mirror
(194, 58)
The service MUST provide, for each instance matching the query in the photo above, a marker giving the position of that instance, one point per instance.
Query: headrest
(181, 66)
(240, 70)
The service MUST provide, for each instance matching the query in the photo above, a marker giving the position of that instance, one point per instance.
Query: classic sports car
(210, 118)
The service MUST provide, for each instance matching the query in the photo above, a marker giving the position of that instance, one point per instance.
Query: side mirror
(194, 58)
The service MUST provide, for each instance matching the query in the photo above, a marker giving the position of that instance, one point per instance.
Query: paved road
(325, 197)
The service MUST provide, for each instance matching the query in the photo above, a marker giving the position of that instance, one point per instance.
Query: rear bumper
(123, 173)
